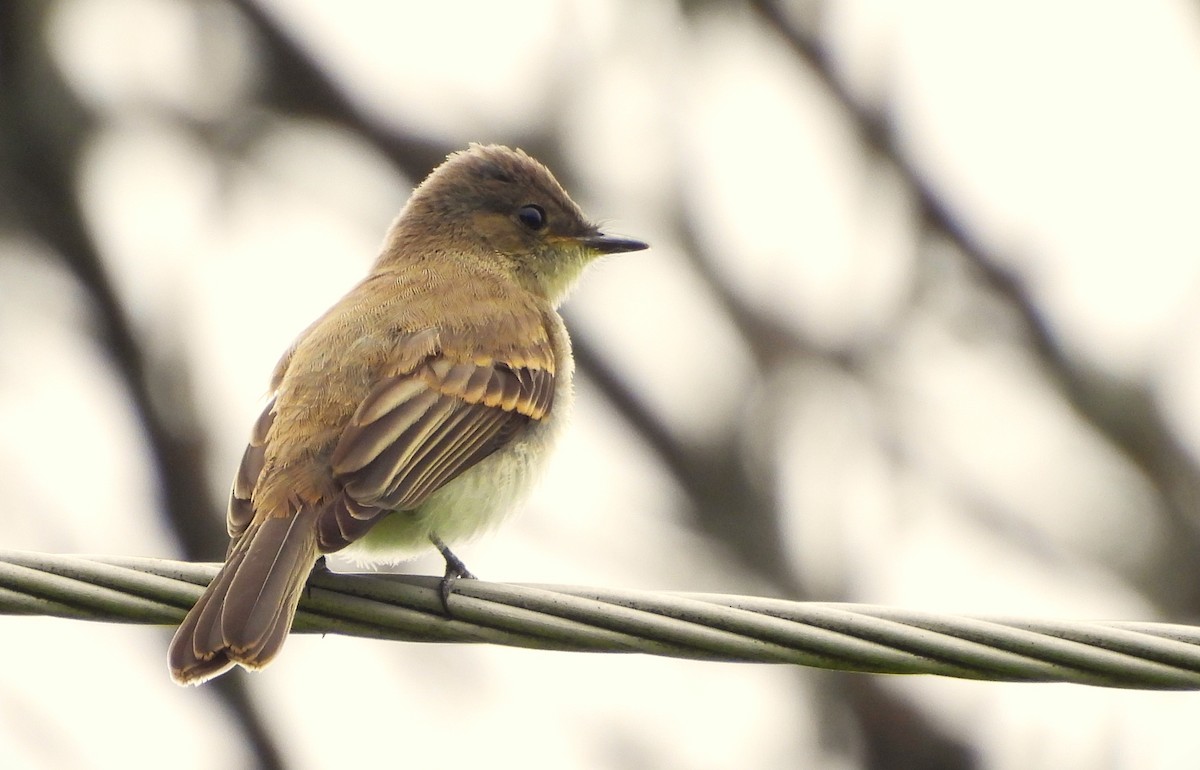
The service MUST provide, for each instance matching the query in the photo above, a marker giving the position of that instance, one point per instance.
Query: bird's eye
(532, 216)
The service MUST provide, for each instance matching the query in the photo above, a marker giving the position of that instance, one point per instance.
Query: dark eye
(532, 216)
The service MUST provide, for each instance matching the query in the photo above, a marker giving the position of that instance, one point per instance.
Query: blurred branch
(1125, 414)
(734, 511)
(297, 84)
(43, 132)
(842, 637)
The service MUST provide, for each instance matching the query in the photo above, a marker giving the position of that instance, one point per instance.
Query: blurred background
(918, 327)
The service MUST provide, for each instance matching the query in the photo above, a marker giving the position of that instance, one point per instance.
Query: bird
(416, 411)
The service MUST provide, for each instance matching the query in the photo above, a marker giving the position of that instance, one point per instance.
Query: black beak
(612, 244)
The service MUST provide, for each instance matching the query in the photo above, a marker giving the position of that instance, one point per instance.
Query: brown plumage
(416, 409)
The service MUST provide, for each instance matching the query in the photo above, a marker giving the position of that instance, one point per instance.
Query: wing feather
(343, 523)
(466, 410)
(414, 432)
(372, 432)
(398, 391)
(241, 510)
(396, 450)
(474, 435)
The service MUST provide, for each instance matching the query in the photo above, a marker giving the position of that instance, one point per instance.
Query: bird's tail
(246, 613)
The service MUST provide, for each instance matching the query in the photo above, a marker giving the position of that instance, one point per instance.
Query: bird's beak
(612, 244)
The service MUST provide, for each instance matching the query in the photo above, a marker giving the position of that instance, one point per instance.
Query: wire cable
(846, 637)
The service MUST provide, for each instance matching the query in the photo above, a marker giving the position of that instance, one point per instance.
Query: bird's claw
(455, 569)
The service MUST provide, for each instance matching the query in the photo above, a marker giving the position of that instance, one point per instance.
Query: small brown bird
(415, 411)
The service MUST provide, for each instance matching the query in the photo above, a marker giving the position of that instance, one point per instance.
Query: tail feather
(246, 613)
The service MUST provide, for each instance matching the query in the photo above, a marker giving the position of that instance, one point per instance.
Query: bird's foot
(455, 569)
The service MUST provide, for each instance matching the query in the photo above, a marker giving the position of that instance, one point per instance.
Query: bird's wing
(425, 421)
(241, 510)
(418, 430)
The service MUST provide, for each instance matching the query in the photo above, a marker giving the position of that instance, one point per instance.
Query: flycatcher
(415, 411)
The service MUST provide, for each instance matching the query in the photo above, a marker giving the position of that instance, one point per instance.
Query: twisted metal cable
(847, 637)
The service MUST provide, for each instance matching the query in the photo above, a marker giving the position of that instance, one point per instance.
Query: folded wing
(417, 431)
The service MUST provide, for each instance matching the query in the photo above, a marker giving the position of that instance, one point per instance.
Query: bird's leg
(455, 569)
